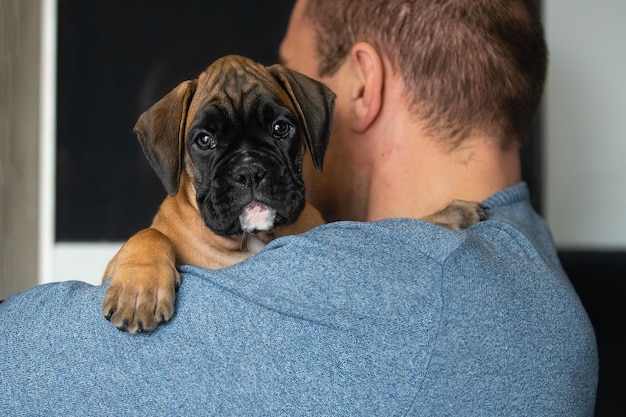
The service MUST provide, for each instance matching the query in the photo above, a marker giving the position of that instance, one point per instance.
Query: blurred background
(74, 184)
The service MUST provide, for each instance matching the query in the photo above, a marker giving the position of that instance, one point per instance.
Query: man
(393, 316)
(433, 100)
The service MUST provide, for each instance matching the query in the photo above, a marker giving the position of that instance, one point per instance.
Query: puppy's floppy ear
(314, 103)
(161, 131)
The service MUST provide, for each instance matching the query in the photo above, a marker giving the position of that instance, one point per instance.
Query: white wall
(585, 132)
(20, 124)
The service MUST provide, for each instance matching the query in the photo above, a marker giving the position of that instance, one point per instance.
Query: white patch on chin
(257, 217)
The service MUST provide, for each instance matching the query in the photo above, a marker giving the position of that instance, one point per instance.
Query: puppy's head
(239, 131)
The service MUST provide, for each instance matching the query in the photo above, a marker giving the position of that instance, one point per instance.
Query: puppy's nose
(249, 176)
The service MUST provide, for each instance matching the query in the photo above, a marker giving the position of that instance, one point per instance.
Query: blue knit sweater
(392, 318)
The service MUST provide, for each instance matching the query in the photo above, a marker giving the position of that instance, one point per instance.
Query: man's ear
(366, 93)
(161, 133)
(314, 104)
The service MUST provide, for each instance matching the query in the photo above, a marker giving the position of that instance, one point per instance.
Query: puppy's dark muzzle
(249, 176)
(251, 190)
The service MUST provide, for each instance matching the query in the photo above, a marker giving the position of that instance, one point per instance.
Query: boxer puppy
(228, 148)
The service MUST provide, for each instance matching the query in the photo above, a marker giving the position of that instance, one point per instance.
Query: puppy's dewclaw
(459, 214)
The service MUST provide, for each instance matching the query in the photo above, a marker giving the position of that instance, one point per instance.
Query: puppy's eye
(281, 129)
(205, 141)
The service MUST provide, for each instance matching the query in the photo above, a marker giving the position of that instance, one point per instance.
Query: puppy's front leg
(144, 281)
(458, 215)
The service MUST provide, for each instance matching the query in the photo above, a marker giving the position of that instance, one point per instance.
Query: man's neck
(417, 176)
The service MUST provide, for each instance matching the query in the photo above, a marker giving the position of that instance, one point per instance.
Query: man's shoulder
(413, 238)
(50, 302)
(417, 239)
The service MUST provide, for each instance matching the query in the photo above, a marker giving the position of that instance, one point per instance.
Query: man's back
(396, 317)
(514, 338)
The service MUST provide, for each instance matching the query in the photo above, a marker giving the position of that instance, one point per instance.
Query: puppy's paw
(459, 214)
(141, 296)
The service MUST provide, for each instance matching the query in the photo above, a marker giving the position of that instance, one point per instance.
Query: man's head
(466, 64)
(449, 70)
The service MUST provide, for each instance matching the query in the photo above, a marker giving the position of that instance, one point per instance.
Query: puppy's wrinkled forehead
(235, 84)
